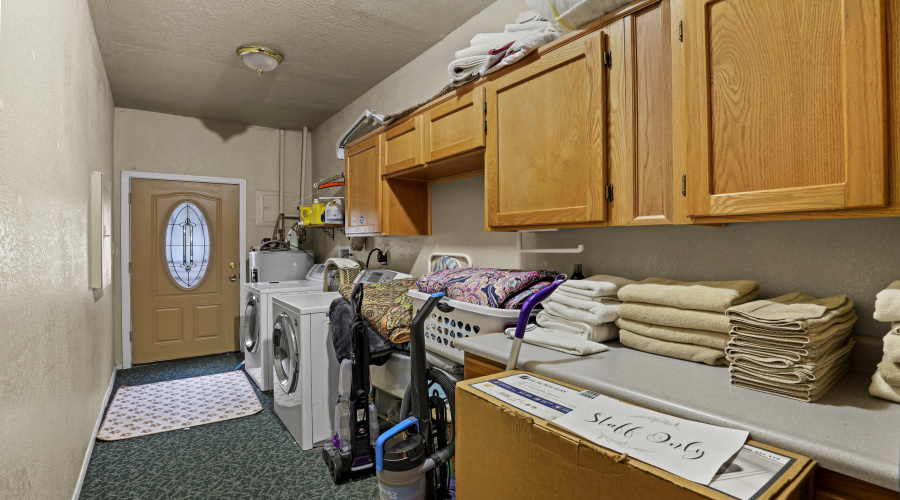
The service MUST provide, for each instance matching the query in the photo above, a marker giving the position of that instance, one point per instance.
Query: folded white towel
(465, 68)
(600, 285)
(881, 389)
(887, 303)
(895, 327)
(594, 333)
(582, 302)
(892, 347)
(529, 26)
(558, 341)
(604, 313)
(488, 41)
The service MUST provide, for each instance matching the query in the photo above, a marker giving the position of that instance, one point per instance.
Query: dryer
(256, 322)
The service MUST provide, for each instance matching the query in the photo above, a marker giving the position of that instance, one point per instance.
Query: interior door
(184, 278)
(788, 105)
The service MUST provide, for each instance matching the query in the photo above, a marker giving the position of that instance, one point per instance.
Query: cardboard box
(504, 452)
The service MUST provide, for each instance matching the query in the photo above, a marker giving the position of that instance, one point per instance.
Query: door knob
(233, 277)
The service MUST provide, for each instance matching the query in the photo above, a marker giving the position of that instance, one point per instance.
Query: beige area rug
(147, 409)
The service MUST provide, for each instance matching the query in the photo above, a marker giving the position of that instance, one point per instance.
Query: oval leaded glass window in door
(187, 245)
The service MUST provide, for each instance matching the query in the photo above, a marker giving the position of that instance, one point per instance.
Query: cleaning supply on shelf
(318, 213)
(576, 273)
(305, 215)
(334, 212)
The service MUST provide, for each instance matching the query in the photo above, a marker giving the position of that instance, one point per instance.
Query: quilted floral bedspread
(387, 307)
(498, 288)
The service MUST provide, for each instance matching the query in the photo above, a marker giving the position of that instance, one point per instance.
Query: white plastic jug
(334, 212)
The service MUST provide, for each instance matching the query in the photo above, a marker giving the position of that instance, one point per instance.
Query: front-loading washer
(304, 366)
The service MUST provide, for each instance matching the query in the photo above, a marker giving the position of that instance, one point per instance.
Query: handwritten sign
(692, 450)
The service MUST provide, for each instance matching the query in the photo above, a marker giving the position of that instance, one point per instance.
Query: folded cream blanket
(890, 371)
(791, 312)
(881, 389)
(558, 341)
(672, 316)
(842, 326)
(716, 296)
(600, 285)
(594, 333)
(686, 352)
(802, 392)
(892, 347)
(673, 334)
(603, 313)
(887, 303)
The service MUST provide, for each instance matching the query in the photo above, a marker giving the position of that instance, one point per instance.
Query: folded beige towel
(807, 393)
(842, 326)
(672, 334)
(594, 333)
(892, 347)
(895, 327)
(558, 341)
(791, 312)
(600, 285)
(798, 374)
(604, 313)
(595, 305)
(881, 389)
(686, 352)
(887, 303)
(889, 371)
(790, 353)
(763, 358)
(672, 316)
(716, 296)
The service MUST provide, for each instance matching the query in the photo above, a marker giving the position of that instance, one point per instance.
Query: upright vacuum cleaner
(355, 419)
(411, 458)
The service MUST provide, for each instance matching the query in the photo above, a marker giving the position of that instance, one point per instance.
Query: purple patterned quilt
(498, 288)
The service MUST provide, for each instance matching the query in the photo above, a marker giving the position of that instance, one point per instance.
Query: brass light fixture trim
(259, 49)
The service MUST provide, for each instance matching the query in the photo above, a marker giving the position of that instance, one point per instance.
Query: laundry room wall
(56, 126)
(821, 258)
(160, 143)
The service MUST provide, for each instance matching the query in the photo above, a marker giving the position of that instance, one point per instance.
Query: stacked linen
(681, 319)
(578, 316)
(886, 381)
(795, 346)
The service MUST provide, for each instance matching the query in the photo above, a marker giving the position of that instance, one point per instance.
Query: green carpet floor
(247, 458)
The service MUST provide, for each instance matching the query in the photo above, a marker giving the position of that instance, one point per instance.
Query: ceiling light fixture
(260, 59)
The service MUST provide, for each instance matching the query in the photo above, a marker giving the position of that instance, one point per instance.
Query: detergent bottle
(334, 212)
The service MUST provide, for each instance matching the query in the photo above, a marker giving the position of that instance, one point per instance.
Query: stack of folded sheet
(578, 316)
(886, 381)
(795, 346)
(681, 319)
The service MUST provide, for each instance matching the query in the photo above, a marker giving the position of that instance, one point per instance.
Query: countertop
(847, 431)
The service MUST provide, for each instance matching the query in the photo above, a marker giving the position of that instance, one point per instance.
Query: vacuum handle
(525, 315)
(393, 431)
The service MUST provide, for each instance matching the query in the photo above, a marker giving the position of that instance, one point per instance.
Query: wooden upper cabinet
(455, 127)
(362, 189)
(787, 105)
(404, 145)
(545, 159)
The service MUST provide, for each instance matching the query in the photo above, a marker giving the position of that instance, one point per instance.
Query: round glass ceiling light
(260, 59)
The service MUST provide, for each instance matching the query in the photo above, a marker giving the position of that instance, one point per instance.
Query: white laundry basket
(465, 320)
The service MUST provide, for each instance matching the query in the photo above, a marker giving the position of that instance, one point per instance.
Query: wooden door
(455, 127)
(403, 145)
(545, 159)
(363, 187)
(787, 105)
(185, 251)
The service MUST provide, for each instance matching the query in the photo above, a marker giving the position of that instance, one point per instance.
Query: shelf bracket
(330, 233)
(579, 249)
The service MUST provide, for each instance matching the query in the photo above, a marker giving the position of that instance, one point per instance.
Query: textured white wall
(55, 128)
(155, 142)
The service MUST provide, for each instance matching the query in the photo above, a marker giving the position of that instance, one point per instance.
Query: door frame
(125, 240)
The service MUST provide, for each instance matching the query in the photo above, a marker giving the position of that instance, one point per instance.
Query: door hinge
(607, 59)
(684, 185)
(680, 32)
(129, 336)
(609, 192)
(129, 268)
(485, 125)
(129, 198)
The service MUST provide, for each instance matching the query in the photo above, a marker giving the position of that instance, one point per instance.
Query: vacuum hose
(448, 385)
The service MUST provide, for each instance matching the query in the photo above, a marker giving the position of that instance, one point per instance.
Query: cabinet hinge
(684, 185)
(485, 107)
(609, 193)
(485, 125)
(680, 32)
(607, 59)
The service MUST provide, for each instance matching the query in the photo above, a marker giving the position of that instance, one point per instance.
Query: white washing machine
(256, 322)
(305, 366)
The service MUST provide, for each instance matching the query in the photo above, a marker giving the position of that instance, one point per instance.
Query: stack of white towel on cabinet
(886, 381)
(578, 316)
(794, 346)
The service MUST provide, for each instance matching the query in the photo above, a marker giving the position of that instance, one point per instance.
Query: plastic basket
(465, 320)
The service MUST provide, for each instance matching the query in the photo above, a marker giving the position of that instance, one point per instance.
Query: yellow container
(305, 215)
(318, 213)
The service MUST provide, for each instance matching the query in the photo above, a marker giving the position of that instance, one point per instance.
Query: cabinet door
(787, 105)
(455, 127)
(545, 161)
(403, 145)
(362, 174)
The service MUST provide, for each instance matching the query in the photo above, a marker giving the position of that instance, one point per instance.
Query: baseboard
(90, 448)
